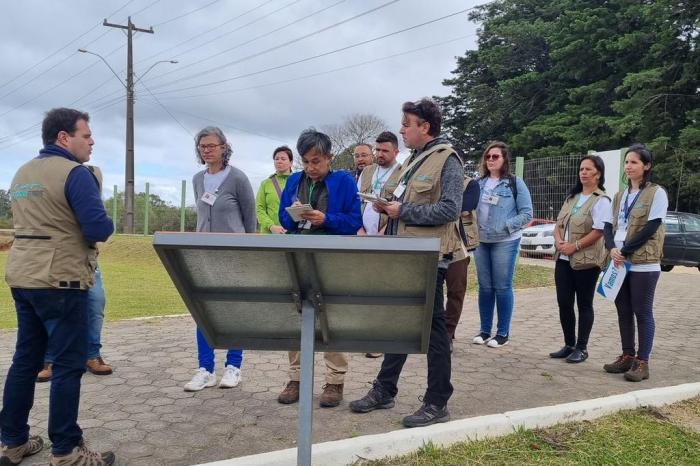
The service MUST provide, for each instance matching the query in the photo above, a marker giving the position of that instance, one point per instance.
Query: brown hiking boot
(332, 395)
(44, 375)
(98, 366)
(81, 456)
(622, 364)
(13, 456)
(290, 394)
(638, 372)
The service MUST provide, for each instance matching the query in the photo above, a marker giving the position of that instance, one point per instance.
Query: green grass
(137, 285)
(638, 437)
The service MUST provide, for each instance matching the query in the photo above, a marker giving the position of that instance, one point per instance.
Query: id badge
(399, 190)
(209, 198)
(491, 199)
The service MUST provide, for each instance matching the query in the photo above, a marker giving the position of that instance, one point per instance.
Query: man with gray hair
(335, 211)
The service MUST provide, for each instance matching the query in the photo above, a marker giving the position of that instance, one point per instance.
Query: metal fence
(549, 181)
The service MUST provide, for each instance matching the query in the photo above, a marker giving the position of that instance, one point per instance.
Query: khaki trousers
(336, 366)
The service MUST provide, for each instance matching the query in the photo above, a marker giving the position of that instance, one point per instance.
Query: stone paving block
(216, 424)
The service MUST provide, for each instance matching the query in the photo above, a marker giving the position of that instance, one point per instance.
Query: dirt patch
(685, 414)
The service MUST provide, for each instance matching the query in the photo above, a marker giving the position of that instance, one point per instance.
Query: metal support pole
(519, 166)
(306, 386)
(146, 208)
(114, 208)
(182, 205)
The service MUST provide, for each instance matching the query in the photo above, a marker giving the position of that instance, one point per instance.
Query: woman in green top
(267, 202)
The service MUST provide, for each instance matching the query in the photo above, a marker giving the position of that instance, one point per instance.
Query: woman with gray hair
(225, 204)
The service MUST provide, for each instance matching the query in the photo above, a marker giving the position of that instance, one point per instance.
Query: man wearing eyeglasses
(426, 203)
(361, 157)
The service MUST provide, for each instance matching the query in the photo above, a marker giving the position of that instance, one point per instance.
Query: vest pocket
(29, 265)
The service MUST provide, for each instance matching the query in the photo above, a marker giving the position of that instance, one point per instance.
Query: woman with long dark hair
(578, 238)
(504, 208)
(636, 236)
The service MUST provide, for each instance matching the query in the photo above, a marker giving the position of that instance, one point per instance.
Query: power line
(189, 65)
(188, 40)
(186, 14)
(284, 44)
(167, 111)
(296, 62)
(108, 95)
(52, 54)
(320, 73)
(227, 125)
(55, 86)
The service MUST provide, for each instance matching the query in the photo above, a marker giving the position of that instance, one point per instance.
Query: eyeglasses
(492, 156)
(207, 147)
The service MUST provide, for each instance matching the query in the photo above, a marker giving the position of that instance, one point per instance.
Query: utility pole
(129, 172)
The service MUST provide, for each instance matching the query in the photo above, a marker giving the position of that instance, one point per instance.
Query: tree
(355, 129)
(568, 76)
(162, 216)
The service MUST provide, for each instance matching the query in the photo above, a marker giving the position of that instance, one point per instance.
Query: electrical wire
(296, 62)
(218, 68)
(320, 73)
(186, 14)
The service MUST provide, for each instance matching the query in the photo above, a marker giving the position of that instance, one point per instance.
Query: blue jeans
(55, 320)
(96, 316)
(205, 354)
(495, 266)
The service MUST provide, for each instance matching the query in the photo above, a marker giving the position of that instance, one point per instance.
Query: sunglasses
(492, 156)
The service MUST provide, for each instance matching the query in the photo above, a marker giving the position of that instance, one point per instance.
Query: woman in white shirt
(578, 237)
(636, 237)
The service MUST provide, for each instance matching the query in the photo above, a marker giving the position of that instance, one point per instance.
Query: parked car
(682, 242)
(538, 240)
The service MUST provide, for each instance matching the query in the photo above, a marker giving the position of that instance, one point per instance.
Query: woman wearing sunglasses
(505, 207)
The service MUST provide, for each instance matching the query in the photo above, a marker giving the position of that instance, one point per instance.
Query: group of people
(59, 217)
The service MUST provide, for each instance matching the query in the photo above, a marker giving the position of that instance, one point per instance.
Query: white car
(538, 240)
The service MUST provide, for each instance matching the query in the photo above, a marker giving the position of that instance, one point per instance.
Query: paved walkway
(144, 415)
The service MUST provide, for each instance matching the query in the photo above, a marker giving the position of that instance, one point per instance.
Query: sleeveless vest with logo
(579, 225)
(49, 250)
(424, 188)
(652, 250)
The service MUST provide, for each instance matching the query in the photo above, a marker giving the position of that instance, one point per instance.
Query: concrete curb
(401, 442)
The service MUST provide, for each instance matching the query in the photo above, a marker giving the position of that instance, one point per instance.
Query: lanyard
(310, 185)
(627, 209)
(378, 181)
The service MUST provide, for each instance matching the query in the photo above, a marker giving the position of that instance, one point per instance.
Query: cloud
(257, 117)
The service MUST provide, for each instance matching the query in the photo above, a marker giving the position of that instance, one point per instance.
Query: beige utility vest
(579, 225)
(49, 250)
(424, 188)
(652, 250)
(366, 188)
(469, 223)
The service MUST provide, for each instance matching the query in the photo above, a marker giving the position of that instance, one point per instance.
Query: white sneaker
(202, 379)
(481, 338)
(231, 377)
(497, 342)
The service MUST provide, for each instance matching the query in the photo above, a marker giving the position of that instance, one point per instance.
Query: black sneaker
(427, 415)
(376, 398)
(579, 355)
(562, 353)
(497, 341)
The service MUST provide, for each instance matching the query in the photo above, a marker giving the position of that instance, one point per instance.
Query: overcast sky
(246, 66)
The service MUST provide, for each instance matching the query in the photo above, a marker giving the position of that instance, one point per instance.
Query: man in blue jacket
(58, 217)
(335, 210)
